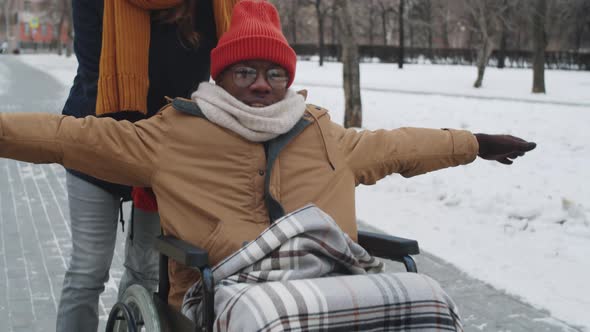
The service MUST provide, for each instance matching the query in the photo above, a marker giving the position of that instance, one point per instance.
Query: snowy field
(523, 228)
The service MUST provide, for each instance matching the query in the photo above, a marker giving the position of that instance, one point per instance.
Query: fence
(456, 56)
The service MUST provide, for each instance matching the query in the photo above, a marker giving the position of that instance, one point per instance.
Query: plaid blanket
(304, 274)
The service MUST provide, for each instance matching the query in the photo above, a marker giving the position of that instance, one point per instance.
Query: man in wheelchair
(243, 152)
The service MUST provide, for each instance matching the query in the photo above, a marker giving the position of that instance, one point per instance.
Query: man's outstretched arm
(116, 151)
(373, 155)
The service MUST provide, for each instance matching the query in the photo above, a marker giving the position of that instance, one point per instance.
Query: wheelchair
(139, 310)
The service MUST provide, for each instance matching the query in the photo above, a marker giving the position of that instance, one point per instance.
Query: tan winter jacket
(211, 183)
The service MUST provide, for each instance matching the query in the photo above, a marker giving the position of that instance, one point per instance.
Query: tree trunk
(59, 28)
(372, 19)
(321, 41)
(410, 34)
(429, 30)
(483, 55)
(400, 57)
(502, 50)
(293, 21)
(445, 31)
(470, 42)
(6, 21)
(578, 38)
(70, 33)
(384, 26)
(353, 113)
(430, 45)
(539, 44)
(334, 22)
(503, 35)
(70, 43)
(7, 17)
(318, 4)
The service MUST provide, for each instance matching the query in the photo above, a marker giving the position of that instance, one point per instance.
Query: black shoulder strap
(187, 106)
(275, 146)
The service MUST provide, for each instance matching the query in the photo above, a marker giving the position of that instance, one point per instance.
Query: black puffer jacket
(175, 70)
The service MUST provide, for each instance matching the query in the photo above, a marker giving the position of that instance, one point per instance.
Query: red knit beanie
(254, 34)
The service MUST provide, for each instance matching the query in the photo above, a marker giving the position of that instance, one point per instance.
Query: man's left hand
(502, 148)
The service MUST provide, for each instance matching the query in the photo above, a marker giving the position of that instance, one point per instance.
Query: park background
(525, 228)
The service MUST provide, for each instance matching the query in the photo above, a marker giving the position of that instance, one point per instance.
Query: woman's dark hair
(184, 17)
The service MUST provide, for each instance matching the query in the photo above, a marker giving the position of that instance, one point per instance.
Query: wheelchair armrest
(182, 252)
(193, 257)
(387, 246)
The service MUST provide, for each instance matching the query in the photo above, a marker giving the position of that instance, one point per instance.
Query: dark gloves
(502, 148)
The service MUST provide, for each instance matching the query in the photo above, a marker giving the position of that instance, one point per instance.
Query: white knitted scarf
(256, 124)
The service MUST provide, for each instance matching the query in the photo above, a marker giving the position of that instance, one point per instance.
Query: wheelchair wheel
(138, 306)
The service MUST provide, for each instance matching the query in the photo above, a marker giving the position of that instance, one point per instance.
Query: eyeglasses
(244, 76)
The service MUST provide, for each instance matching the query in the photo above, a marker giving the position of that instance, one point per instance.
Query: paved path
(35, 238)
(34, 220)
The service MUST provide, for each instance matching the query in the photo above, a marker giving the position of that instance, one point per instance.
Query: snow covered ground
(4, 79)
(523, 228)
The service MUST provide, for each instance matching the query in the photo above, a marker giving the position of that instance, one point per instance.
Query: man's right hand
(502, 148)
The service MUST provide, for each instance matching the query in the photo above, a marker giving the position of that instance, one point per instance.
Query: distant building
(32, 25)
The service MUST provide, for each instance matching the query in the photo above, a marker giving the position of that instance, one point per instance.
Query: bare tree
(373, 13)
(70, 28)
(58, 14)
(4, 17)
(322, 10)
(539, 44)
(400, 14)
(7, 10)
(421, 23)
(353, 114)
(293, 20)
(334, 23)
(503, 37)
(288, 11)
(484, 20)
(10, 19)
(582, 23)
(427, 23)
(573, 21)
(65, 20)
(443, 14)
(55, 15)
(480, 25)
(3, 14)
(386, 8)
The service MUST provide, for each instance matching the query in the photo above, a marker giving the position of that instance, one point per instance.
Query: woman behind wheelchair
(246, 153)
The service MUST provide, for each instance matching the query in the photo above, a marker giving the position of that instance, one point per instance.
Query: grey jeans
(93, 217)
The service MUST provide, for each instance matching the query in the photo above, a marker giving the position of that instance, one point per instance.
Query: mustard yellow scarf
(123, 77)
